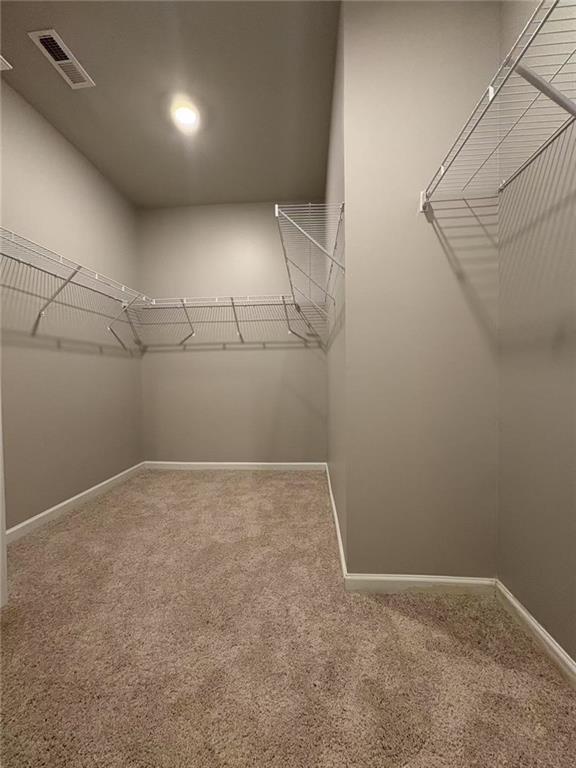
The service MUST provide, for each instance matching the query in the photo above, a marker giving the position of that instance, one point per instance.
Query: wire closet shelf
(528, 104)
(47, 296)
(313, 245)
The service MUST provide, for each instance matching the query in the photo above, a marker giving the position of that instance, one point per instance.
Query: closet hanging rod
(547, 89)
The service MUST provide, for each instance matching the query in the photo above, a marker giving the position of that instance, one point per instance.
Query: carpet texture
(198, 619)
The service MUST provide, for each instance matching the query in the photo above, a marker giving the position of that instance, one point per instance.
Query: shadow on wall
(468, 233)
(337, 324)
(538, 251)
(78, 346)
(64, 344)
(537, 535)
(515, 255)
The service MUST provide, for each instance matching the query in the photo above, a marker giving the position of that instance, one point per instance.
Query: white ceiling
(260, 73)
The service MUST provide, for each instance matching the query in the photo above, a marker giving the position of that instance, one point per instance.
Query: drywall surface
(421, 368)
(537, 524)
(336, 352)
(70, 420)
(514, 15)
(537, 520)
(76, 212)
(239, 403)
(211, 250)
(235, 405)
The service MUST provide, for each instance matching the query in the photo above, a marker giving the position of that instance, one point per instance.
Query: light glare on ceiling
(185, 115)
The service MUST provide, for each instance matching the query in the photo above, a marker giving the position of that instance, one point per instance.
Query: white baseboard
(544, 639)
(22, 529)
(336, 525)
(390, 583)
(17, 531)
(254, 465)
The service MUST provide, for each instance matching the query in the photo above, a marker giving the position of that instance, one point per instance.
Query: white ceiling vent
(62, 58)
(4, 64)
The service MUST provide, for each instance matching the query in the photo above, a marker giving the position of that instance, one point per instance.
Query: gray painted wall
(234, 404)
(70, 420)
(336, 353)
(537, 520)
(422, 378)
(51, 194)
(537, 523)
(514, 15)
(211, 250)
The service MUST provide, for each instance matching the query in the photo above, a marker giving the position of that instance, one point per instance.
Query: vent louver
(62, 58)
(4, 64)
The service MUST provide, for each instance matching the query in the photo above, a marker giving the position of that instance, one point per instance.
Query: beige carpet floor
(198, 620)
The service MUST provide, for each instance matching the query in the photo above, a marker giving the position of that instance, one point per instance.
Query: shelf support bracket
(276, 211)
(546, 88)
(236, 320)
(290, 329)
(335, 249)
(192, 331)
(51, 299)
(425, 207)
(124, 311)
(118, 339)
(137, 338)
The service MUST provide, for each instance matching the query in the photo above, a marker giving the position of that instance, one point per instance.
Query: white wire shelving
(527, 105)
(313, 246)
(45, 295)
(222, 321)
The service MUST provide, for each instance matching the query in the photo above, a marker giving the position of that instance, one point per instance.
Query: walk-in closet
(288, 384)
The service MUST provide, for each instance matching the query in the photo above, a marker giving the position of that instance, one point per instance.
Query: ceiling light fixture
(184, 115)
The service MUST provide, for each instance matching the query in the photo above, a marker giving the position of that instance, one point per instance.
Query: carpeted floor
(198, 620)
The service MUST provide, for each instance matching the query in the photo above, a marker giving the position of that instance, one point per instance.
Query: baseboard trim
(336, 525)
(391, 583)
(253, 465)
(551, 647)
(27, 526)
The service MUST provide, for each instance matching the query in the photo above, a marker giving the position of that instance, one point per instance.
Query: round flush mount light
(185, 115)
